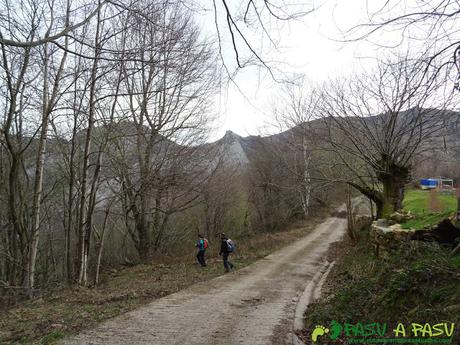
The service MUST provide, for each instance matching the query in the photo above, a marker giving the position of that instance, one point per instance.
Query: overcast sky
(308, 46)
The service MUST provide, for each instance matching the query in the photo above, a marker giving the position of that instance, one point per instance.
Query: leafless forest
(103, 157)
(106, 114)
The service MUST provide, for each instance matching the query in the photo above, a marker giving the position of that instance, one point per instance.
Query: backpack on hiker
(231, 246)
(205, 243)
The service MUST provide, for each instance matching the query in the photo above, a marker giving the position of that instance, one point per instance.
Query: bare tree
(17, 133)
(237, 23)
(104, 107)
(294, 114)
(47, 29)
(429, 26)
(49, 101)
(368, 131)
(375, 125)
(167, 84)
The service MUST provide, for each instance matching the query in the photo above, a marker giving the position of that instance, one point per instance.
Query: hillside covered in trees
(107, 110)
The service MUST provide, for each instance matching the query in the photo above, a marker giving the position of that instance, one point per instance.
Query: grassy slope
(70, 310)
(417, 202)
(419, 283)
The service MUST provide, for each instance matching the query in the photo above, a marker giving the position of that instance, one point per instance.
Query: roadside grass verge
(417, 202)
(419, 283)
(67, 311)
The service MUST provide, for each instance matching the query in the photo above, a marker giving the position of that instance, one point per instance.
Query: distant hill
(238, 151)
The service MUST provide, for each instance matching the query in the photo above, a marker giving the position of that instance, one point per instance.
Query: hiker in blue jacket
(202, 245)
(225, 251)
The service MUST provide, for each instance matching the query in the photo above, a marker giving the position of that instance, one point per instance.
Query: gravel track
(251, 306)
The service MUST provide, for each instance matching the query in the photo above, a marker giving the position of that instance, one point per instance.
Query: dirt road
(252, 306)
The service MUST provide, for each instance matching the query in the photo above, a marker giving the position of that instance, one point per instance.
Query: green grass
(52, 337)
(417, 202)
(456, 260)
(418, 283)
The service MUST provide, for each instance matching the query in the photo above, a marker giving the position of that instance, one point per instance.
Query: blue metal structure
(429, 183)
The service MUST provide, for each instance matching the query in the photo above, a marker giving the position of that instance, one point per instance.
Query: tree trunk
(350, 217)
(100, 244)
(83, 219)
(90, 211)
(99, 249)
(35, 227)
(393, 195)
(144, 239)
(373, 195)
(48, 102)
(38, 183)
(393, 179)
(306, 179)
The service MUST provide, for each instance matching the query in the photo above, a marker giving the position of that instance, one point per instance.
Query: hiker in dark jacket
(201, 245)
(225, 253)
